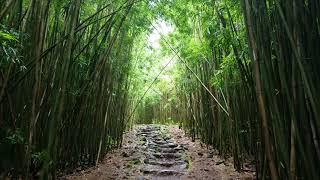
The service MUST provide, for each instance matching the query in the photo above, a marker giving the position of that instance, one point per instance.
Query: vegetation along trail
(162, 152)
(160, 89)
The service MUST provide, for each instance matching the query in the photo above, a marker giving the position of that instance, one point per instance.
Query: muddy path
(162, 152)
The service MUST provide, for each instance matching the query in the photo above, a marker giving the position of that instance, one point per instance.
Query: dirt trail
(162, 152)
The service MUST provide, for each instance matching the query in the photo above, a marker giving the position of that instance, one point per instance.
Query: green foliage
(92, 72)
(6, 38)
(9, 48)
(41, 158)
(15, 137)
(110, 140)
(228, 68)
(72, 99)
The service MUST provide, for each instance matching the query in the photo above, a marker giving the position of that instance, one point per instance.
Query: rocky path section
(163, 157)
(162, 152)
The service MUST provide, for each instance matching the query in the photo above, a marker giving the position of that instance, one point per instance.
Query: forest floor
(162, 152)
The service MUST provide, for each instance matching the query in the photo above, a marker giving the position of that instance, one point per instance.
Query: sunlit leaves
(5, 37)
(228, 74)
(9, 48)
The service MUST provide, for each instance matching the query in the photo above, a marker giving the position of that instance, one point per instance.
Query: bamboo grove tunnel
(242, 77)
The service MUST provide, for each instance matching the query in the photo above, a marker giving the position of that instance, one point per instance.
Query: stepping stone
(152, 146)
(169, 145)
(160, 142)
(169, 150)
(164, 163)
(167, 155)
(169, 173)
(178, 149)
(172, 145)
(164, 172)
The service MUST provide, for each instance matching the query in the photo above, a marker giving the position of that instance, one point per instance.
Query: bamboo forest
(160, 89)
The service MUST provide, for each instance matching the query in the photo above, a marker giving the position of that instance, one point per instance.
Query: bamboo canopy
(242, 76)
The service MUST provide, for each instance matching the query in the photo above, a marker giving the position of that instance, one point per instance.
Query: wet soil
(162, 152)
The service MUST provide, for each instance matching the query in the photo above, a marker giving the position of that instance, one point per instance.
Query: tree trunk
(261, 105)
